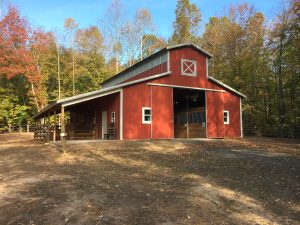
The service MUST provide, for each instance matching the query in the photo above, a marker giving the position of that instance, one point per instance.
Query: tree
(91, 63)
(284, 39)
(133, 33)
(237, 42)
(152, 44)
(112, 24)
(143, 23)
(186, 25)
(70, 27)
(16, 58)
(262, 62)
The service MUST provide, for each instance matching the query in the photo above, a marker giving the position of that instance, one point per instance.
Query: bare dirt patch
(240, 181)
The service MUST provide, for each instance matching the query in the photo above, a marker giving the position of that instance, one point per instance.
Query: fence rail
(16, 129)
(276, 133)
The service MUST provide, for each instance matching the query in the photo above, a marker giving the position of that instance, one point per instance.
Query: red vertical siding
(214, 113)
(139, 95)
(232, 104)
(110, 103)
(162, 112)
(135, 97)
(175, 66)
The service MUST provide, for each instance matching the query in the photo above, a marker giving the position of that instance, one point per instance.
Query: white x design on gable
(188, 67)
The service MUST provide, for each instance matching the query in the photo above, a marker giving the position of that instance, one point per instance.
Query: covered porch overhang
(51, 121)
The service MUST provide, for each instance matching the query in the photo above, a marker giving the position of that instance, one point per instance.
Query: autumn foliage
(20, 47)
(256, 57)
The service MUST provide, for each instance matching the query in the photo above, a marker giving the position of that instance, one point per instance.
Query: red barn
(167, 95)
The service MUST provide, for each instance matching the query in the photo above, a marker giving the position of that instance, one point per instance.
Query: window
(146, 115)
(113, 117)
(188, 67)
(226, 117)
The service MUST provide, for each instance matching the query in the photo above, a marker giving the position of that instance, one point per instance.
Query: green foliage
(11, 112)
(261, 62)
(186, 25)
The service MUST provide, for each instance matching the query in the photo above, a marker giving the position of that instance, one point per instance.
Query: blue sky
(50, 14)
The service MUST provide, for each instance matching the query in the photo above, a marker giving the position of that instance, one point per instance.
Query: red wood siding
(135, 97)
(214, 113)
(139, 95)
(162, 68)
(175, 66)
(162, 112)
(232, 104)
(110, 103)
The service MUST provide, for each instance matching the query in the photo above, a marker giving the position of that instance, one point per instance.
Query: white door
(104, 123)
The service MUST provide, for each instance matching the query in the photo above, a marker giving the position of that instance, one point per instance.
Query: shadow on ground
(251, 181)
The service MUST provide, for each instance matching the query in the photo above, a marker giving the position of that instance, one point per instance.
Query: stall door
(214, 114)
(104, 123)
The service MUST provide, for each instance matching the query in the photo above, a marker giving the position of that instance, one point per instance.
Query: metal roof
(190, 45)
(226, 86)
(93, 94)
(167, 48)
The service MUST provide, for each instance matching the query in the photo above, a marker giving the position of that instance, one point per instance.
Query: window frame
(144, 114)
(195, 68)
(227, 117)
(113, 118)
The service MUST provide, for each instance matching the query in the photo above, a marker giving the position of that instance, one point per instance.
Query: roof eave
(191, 45)
(227, 87)
(95, 94)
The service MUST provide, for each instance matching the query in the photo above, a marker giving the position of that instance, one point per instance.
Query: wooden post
(54, 127)
(187, 116)
(48, 122)
(48, 126)
(63, 128)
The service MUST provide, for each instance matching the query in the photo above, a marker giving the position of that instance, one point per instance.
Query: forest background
(256, 57)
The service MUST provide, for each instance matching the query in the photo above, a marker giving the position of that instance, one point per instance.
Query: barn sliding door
(215, 114)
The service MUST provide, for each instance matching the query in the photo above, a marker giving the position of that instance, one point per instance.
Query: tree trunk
(34, 96)
(58, 71)
(281, 103)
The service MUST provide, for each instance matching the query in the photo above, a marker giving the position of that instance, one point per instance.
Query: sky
(50, 14)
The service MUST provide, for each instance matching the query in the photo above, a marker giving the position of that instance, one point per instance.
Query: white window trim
(226, 111)
(113, 119)
(189, 74)
(143, 115)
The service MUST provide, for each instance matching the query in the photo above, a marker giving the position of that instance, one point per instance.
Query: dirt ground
(241, 181)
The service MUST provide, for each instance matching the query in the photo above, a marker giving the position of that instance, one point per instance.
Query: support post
(54, 127)
(187, 116)
(63, 128)
(48, 122)
(48, 127)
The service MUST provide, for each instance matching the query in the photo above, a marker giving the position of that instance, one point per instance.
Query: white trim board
(76, 101)
(185, 87)
(226, 86)
(121, 114)
(241, 118)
